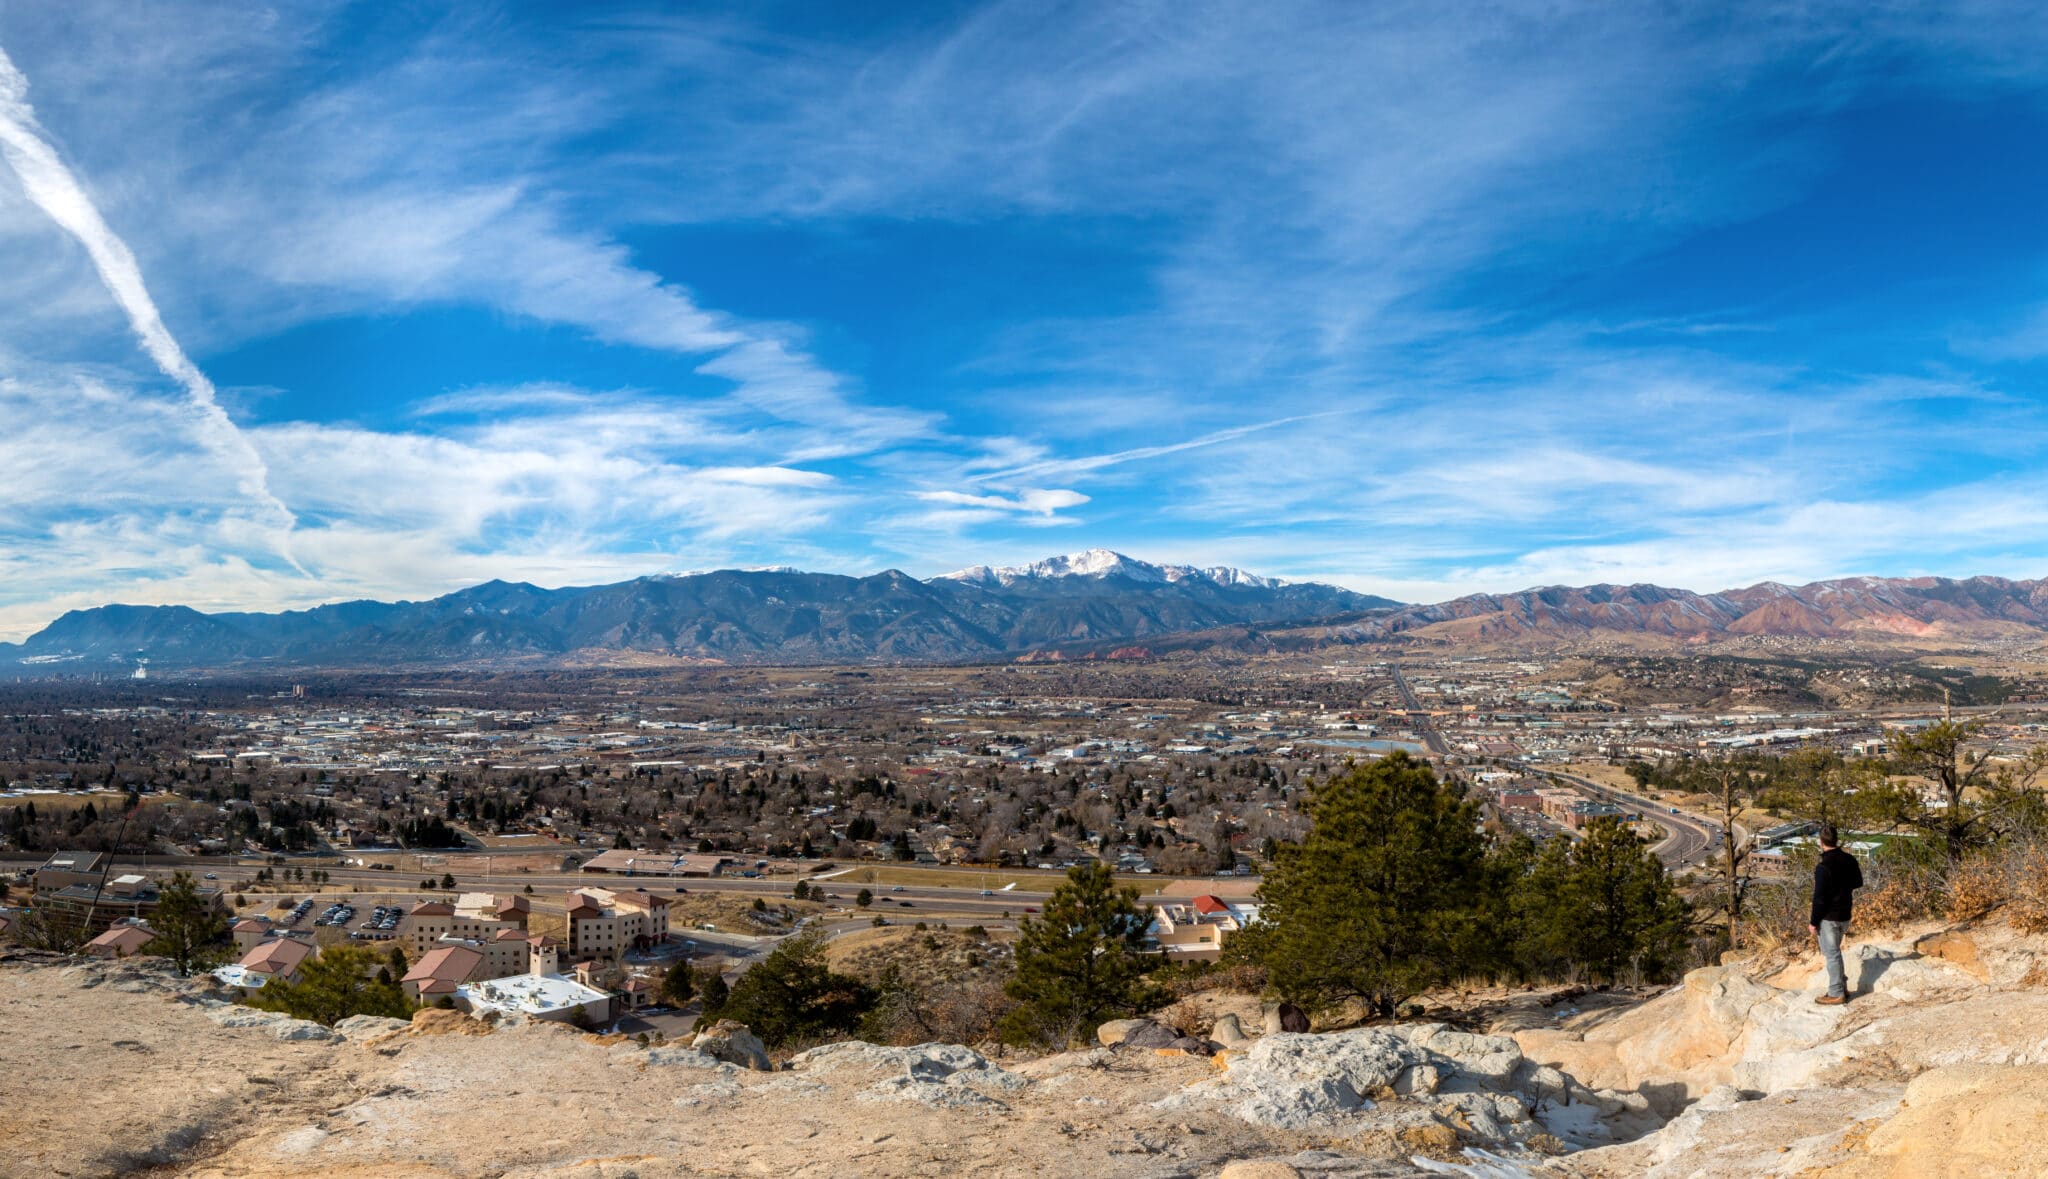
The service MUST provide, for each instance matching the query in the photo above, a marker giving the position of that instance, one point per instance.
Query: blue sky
(308, 302)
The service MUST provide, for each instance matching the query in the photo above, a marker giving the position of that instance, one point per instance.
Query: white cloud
(1033, 500)
(52, 187)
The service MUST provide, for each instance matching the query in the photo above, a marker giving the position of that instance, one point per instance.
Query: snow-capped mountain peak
(1101, 563)
(679, 574)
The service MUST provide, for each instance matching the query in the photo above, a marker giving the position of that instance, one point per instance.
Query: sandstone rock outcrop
(1919, 1075)
(733, 1043)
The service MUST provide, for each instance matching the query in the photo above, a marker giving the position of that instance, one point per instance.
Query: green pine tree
(792, 994)
(679, 985)
(189, 925)
(712, 992)
(1389, 894)
(1081, 962)
(341, 982)
(1604, 903)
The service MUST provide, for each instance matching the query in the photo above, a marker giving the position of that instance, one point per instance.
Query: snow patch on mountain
(679, 574)
(1101, 563)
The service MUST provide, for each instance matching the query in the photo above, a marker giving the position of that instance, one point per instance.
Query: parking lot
(359, 918)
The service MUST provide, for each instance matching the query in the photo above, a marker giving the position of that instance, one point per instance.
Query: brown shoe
(1831, 1000)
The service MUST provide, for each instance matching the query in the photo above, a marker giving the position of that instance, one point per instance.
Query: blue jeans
(1831, 953)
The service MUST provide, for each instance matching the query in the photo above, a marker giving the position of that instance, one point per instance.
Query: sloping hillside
(1937, 1068)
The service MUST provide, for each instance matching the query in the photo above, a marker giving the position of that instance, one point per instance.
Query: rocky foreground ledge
(1940, 1068)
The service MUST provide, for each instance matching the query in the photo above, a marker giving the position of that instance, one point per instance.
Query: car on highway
(988, 892)
(212, 876)
(898, 888)
(680, 888)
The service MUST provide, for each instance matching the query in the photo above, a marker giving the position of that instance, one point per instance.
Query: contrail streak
(53, 188)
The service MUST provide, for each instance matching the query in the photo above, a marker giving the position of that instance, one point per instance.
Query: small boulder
(1286, 1018)
(1153, 1035)
(1113, 1032)
(1229, 1033)
(733, 1043)
(1419, 1080)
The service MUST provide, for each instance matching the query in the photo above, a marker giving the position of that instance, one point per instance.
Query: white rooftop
(237, 975)
(528, 994)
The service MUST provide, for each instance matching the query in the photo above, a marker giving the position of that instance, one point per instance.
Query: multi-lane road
(1688, 839)
(1424, 727)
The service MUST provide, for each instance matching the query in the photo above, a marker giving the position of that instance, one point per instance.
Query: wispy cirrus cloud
(1039, 501)
(47, 182)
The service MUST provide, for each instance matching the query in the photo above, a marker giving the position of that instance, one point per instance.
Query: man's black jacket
(1834, 878)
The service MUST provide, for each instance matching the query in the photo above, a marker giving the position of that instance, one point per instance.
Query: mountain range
(731, 615)
(1854, 607)
(1091, 604)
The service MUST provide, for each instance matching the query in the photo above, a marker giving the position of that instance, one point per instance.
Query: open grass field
(105, 802)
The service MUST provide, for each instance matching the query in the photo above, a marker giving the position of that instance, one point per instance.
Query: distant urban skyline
(311, 302)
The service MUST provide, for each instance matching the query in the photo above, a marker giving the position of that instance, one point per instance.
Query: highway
(1424, 728)
(1688, 839)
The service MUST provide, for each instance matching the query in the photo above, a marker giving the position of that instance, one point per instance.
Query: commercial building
(627, 862)
(65, 869)
(1196, 930)
(82, 885)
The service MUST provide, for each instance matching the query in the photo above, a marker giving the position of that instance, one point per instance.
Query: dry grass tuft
(2027, 905)
(1894, 902)
(1975, 889)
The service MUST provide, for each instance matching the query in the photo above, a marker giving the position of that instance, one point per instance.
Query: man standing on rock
(1835, 877)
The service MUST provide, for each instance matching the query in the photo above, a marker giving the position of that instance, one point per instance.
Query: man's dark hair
(1828, 837)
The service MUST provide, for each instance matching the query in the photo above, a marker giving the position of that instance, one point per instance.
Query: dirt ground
(112, 1069)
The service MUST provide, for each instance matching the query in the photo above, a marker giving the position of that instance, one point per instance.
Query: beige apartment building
(471, 917)
(604, 924)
